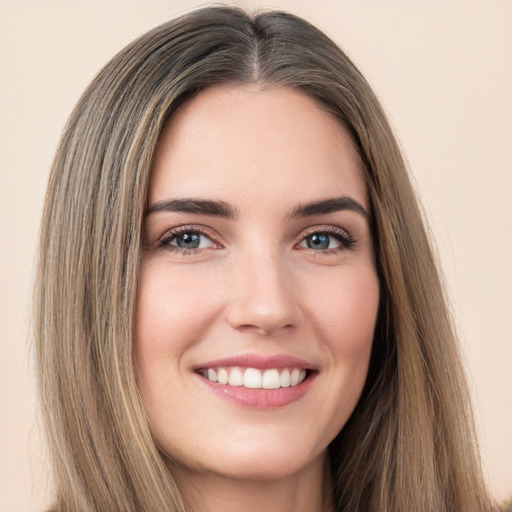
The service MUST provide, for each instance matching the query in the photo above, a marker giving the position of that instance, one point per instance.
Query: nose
(262, 295)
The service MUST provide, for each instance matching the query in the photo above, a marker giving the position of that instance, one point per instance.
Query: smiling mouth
(254, 378)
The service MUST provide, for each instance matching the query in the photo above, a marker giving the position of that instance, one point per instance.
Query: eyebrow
(223, 209)
(198, 206)
(330, 205)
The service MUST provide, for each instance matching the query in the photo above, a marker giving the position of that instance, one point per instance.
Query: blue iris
(318, 241)
(188, 240)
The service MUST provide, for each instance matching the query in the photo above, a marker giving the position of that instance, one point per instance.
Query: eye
(326, 240)
(320, 242)
(189, 241)
(185, 239)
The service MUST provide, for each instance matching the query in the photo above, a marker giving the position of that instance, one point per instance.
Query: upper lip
(258, 361)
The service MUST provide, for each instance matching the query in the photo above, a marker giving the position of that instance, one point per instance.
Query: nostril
(263, 328)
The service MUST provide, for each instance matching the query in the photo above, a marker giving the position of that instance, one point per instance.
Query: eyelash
(346, 241)
(343, 237)
(170, 236)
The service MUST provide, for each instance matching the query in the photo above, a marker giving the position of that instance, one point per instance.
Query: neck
(309, 490)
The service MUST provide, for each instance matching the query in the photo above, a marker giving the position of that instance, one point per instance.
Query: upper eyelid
(208, 231)
(322, 228)
(165, 241)
(346, 239)
(193, 228)
(170, 234)
(215, 236)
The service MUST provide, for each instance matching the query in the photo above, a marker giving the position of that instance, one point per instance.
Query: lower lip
(259, 398)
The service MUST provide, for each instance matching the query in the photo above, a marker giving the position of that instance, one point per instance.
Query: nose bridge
(262, 296)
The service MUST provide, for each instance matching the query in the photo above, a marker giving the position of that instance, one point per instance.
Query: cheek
(172, 311)
(346, 308)
(342, 310)
(345, 316)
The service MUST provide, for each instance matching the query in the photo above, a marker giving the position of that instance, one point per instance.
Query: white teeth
(254, 379)
(236, 377)
(295, 377)
(222, 376)
(270, 380)
(285, 378)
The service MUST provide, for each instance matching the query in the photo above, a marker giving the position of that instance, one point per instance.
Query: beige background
(443, 70)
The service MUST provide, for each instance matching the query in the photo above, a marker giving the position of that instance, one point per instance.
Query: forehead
(232, 140)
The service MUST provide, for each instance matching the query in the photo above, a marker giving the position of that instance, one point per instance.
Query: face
(258, 293)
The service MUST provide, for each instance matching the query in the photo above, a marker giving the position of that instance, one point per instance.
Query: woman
(237, 304)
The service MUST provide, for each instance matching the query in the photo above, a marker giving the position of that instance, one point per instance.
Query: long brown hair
(409, 445)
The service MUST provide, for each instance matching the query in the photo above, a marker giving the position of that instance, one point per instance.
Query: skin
(255, 285)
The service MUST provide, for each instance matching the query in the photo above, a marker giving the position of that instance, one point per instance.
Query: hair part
(410, 443)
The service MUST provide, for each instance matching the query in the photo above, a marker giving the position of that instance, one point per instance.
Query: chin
(268, 457)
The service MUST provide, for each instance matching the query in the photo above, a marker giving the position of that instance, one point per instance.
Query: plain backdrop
(443, 70)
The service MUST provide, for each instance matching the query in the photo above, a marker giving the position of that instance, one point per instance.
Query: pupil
(318, 242)
(188, 240)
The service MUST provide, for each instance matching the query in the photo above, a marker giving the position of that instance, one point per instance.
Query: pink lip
(259, 398)
(258, 361)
